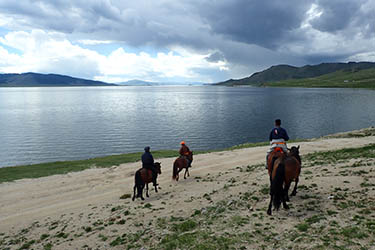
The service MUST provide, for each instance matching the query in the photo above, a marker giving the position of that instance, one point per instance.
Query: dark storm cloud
(337, 14)
(215, 57)
(265, 23)
(247, 34)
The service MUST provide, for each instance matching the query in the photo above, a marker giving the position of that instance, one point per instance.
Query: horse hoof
(133, 198)
(269, 212)
(286, 207)
(184, 177)
(293, 194)
(142, 198)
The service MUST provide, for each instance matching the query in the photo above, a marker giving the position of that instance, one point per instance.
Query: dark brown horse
(143, 177)
(284, 170)
(181, 163)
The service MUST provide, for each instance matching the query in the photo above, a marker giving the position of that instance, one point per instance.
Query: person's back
(148, 163)
(147, 158)
(278, 137)
(278, 133)
(184, 150)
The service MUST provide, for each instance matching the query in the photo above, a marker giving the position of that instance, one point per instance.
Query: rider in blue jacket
(148, 163)
(278, 137)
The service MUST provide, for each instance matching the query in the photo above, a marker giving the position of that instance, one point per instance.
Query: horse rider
(185, 152)
(148, 163)
(278, 137)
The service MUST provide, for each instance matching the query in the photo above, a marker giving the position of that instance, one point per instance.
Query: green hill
(340, 79)
(287, 72)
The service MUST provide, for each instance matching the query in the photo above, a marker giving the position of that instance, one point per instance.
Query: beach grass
(63, 167)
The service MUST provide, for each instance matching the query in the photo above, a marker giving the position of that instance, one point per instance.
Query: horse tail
(175, 168)
(277, 185)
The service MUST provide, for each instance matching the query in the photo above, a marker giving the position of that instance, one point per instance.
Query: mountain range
(286, 72)
(352, 74)
(45, 80)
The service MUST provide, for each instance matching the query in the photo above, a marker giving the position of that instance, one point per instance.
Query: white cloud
(52, 52)
(94, 42)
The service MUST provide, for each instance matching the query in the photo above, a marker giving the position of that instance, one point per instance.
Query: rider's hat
(182, 143)
(147, 148)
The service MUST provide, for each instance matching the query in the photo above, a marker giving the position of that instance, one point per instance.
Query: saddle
(278, 149)
(148, 172)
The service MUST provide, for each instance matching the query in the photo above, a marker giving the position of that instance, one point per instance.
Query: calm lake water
(53, 124)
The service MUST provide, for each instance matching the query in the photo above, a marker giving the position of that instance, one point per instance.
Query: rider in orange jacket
(185, 151)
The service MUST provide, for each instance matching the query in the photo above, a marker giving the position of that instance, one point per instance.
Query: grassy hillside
(340, 79)
(287, 72)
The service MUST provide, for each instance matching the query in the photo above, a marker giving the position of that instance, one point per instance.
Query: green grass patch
(63, 167)
(196, 240)
(332, 157)
(303, 227)
(184, 226)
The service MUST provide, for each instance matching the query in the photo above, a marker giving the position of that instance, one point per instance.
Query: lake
(66, 123)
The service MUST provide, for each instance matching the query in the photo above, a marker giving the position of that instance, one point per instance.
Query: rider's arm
(286, 137)
(271, 135)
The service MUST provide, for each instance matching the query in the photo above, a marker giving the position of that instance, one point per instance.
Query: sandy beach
(75, 204)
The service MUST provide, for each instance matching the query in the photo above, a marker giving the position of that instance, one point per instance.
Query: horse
(143, 177)
(181, 163)
(286, 169)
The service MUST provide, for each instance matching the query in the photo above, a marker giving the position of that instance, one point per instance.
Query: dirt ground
(222, 204)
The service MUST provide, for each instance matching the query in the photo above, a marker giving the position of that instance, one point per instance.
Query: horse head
(294, 152)
(190, 156)
(158, 167)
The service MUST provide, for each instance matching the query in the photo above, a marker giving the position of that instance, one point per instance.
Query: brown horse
(285, 170)
(275, 154)
(143, 177)
(181, 163)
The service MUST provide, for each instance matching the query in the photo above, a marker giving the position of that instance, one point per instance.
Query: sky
(180, 41)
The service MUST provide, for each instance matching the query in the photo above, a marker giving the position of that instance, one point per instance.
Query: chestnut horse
(181, 163)
(285, 169)
(143, 177)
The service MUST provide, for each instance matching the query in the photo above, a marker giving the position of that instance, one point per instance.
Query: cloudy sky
(185, 40)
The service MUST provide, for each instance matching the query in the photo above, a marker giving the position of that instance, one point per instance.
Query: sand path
(25, 201)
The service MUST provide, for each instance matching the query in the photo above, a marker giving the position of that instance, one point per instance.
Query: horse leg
(185, 173)
(286, 190)
(147, 190)
(269, 211)
(135, 187)
(286, 196)
(295, 188)
(156, 188)
(178, 174)
(141, 192)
